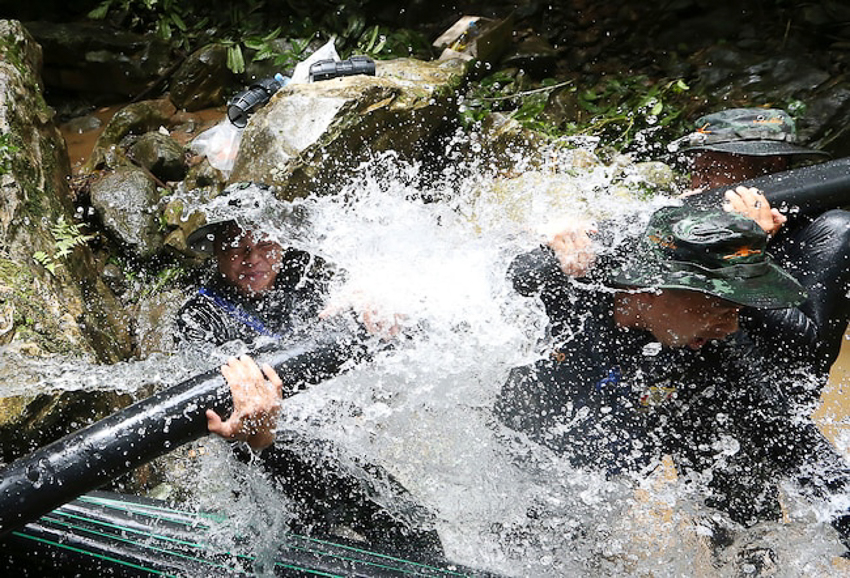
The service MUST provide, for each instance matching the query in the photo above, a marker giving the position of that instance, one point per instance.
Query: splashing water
(434, 259)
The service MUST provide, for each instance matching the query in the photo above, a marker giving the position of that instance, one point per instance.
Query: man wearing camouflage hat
(739, 144)
(644, 361)
(615, 361)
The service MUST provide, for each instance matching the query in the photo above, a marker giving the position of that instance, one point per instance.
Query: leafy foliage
(623, 107)
(253, 30)
(67, 236)
(620, 111)
(164, 16)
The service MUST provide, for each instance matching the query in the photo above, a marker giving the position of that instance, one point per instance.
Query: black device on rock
(258, 94)
(327, 69)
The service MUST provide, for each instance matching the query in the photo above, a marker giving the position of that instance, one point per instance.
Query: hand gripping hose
(82, 461)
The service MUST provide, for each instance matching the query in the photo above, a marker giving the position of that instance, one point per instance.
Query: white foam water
(432, 257)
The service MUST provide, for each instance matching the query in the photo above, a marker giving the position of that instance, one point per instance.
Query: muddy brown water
(833, 416)
(81, 133)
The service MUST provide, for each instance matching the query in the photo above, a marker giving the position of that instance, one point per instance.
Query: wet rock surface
(161, 155)
(37, 211)
(310, 135)
(127, 201)
(202, 79)
(51, 302)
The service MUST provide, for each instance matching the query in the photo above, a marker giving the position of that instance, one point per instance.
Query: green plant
(162, 279)
(66, 236)
(620, 111)
(623, 107)
(504, 91)
(163, 15)
(266, 48)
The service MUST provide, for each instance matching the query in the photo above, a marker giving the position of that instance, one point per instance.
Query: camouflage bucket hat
(714, 252)
(745, 131)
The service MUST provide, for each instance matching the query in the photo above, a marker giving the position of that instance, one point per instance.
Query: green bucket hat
(759, 132)
(710, 251)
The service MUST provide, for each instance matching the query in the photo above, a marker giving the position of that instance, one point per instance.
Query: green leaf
(235, 60)
(263, 54)
(101, 11)
(272, 35)
(178, 22)
(164, 29)
(254, 43)
(657, 108)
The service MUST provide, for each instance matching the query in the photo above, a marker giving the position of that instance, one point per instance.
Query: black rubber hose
(82, 461)
(808, 190)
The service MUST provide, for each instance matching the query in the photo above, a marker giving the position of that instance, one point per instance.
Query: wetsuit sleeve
(531, 272)
(200, 322)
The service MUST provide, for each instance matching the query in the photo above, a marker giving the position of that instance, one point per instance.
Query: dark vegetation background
(666, 60)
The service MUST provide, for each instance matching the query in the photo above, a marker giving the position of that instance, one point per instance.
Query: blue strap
(238, 313)
(613, 378)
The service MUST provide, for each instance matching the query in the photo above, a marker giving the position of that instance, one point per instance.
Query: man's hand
(256, 403)
(377, 322)
(752, 203)
(570, 240)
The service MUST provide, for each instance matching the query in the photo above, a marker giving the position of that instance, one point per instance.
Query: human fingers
(216, 425)
(751, 203)
(753, 197)
(272, 376)
(573, 252)
(250, 370)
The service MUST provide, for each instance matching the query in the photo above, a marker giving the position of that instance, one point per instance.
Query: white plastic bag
(302, 69)
(220, 144)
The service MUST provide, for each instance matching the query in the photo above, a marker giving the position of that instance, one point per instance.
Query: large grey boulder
(310, 136)
(127, 201)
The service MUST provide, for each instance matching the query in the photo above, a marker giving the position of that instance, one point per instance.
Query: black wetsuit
(607, 398)
(816, 251)
(218, 314)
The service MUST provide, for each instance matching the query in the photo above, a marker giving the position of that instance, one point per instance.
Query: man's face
(250, 265)
(681, 318)
(711, 169)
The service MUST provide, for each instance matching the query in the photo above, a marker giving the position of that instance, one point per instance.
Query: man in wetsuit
(635, 370)
(261, 291)
(739, 144)
(258, 289)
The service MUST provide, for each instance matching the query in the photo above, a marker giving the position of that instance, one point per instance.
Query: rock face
(51, 299)
(96, 59)
(311, 135)
(201, 81)
(77, 312)
(127, 201)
